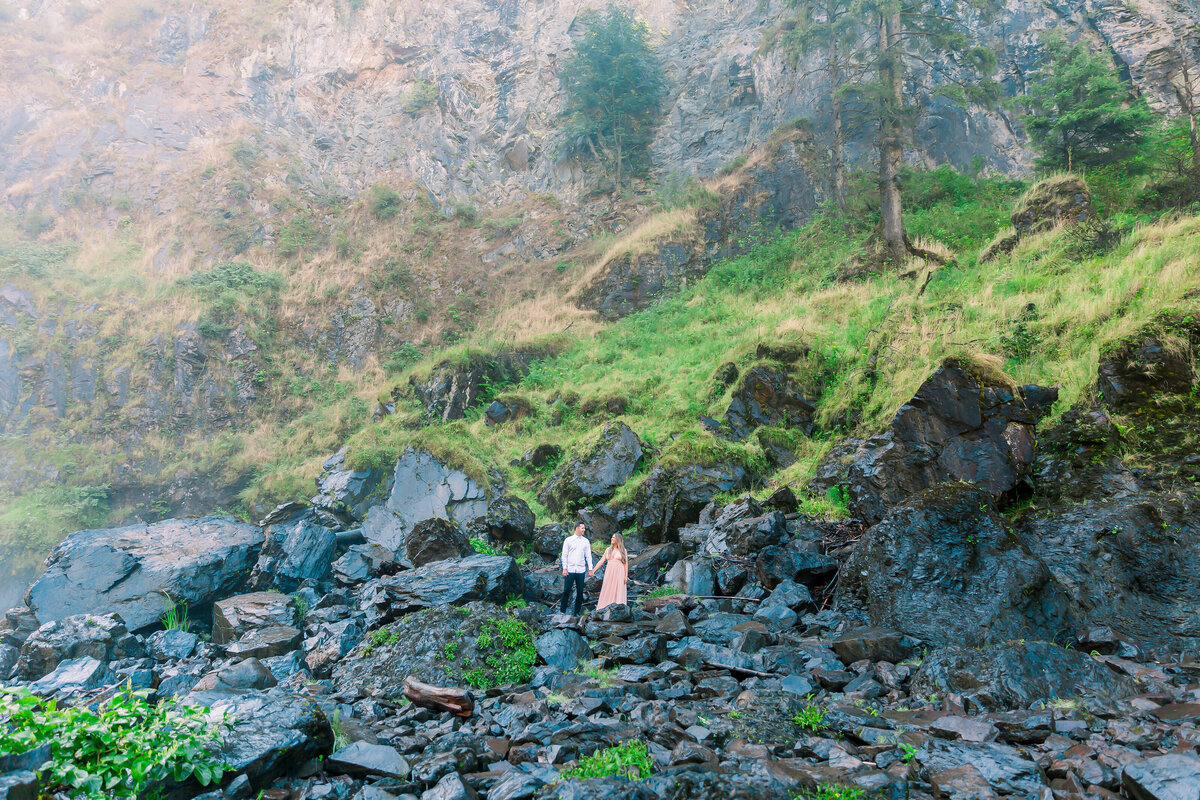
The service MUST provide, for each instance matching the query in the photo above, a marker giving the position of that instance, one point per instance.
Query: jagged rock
(648, 565)
(962, 783)
(562, 648)
(768, 397)
(694, 577)
(347, 493)
(19, 785)
(1016, 675)
(272, 731)
(1052, 202)
(450, 388)
(435, 540)
(172, 645)
(265, 643)
(944, 568)
(791, 595)
(539, 457)
(1079, 458)
(362, 562)
(74, 676)
(507, 409)
(247, 674)
(361, 759)
(103, 638)
(509, 519)
(330, 643)
(236, 616)
(1174, 776)
(1127, 563)
(1160, 360)
(423, 488)
(129, 570)
(450, 787)
(960, 425)
(296, 548)
(1004, 768)
(746, 537)
(593, 472)
(669, 499)
(875, 644)
(493, 578)
(776, 564)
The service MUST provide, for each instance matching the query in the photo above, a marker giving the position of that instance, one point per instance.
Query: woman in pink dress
(613, 590)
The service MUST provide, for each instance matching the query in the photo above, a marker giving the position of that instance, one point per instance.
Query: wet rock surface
(595, 472)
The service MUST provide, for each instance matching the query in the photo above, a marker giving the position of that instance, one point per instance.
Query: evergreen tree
(1083, 113)
(613, 84)
(881, 39)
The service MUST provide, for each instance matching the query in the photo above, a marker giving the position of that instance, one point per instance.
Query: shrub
(237, 276)
(482, 547)
(385, 201)
(833, 791)
(629, 760)
(118, 750)
(506, 645)
(810, 718)
(423, 94)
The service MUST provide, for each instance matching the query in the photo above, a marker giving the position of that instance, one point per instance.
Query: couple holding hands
(577, 561)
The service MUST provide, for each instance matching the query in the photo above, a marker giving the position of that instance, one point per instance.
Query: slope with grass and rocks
(926, 531)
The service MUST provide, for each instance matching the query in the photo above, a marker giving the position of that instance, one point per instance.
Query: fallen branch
(744, 670)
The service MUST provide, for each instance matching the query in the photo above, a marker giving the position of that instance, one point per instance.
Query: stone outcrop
(492, 578)
(422, 488)
(960, 425)
(130, 571)
(595, 470)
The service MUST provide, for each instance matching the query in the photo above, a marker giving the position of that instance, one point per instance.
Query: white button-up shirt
(577, 554)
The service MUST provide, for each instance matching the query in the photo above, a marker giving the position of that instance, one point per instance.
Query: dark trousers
(573, 579)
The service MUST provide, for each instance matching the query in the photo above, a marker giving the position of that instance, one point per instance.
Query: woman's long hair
(620, 545)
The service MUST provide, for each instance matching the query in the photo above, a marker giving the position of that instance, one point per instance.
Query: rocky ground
(1011, 612)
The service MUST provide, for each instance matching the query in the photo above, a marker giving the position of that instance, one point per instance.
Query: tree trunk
(458, 702)
(891, 152)
(838, 154)
(1188, 102)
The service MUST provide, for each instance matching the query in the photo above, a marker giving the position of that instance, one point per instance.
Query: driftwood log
(458, 702)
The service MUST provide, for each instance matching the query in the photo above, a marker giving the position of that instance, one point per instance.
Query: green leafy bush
(482, 547)
(237, 276)
(119, 750)
(385, 201)
(833, 791)
(810, 718)
(629, 760)
(508, 654)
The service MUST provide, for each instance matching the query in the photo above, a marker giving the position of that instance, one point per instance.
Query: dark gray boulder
(1128, 563)
(593, 471)
(672, 497)
(510, 519)
(361, 759)
(548, 539)
(362, 562)
(1017, 674)
(297, 548)
(346, 493)
(172, 645)
(73, 677)
(944, 568)
(767, 396)
(873, 644)
(249, 673)
(492, 578)
(960, 425)
(451, 387)
(775, 565)
(102, 638)
(562, 648)
(236, 616)
(19, 785)
(129, 570)
(272, 731)
(422, 488)
(435, 540)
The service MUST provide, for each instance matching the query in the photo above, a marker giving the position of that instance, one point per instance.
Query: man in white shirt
(576, 562)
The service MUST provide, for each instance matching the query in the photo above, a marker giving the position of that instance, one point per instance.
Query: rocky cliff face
(461, 96)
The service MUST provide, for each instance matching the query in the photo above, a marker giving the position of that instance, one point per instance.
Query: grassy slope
(1041, 310)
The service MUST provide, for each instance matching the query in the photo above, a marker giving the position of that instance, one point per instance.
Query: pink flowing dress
(615, 577)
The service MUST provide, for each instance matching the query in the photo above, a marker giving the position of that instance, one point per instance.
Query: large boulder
(1174, 776)
(1059, 200)
(767, 396)
(297, 548)
(673, 496)
(944, 568)
(271, 731)
(1128, 563)
(102, 638)
(74, 676)
(1157, 361)
(594, 470)
(1017, 674)
(492, 578)
(510, 519)
(435, 540)
(960, 425)
(130, 570)
(347, 493)
(422, 488)
(236, 616)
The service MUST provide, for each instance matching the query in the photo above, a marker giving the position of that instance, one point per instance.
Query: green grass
(1037, 315)
(506, 644)
(810, 718)
(833, 791)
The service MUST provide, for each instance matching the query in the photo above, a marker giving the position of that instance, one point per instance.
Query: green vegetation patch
(119, 750)
(506, 644)
(627, 760)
